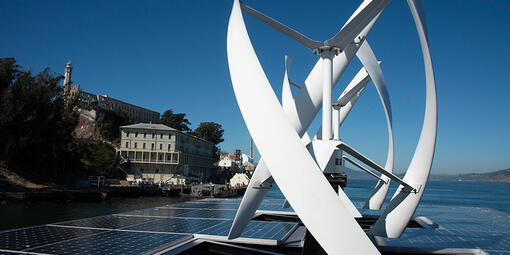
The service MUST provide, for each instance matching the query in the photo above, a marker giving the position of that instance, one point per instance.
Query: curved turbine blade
(369, 61)
(261, 182)
(255, 96)
(308, 102)
(397, 214)
(348, 203)
(365, 14)
(293, 34)
(286, 92)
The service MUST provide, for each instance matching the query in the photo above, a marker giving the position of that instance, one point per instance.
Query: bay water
(469, 194)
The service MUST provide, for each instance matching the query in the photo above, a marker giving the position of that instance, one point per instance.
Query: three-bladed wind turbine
(328, 49)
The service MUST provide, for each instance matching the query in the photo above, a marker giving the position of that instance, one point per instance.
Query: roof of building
(150, 126)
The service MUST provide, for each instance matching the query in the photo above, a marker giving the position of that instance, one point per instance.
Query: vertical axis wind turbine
(290, 121)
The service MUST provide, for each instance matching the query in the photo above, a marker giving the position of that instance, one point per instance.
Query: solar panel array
(141, 231)
(460, 227)
(155, 229)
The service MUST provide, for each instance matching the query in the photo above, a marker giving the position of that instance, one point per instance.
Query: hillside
(495, 176)
(357, 174)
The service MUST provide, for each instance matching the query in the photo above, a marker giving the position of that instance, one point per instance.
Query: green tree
(35, 123)
(112, 120)
(175, 120)
(210, 131)
(104, 160)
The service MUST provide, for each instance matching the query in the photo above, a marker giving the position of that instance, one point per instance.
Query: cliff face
(87, 127)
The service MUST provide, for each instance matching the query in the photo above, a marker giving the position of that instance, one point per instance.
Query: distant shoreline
(494, 176)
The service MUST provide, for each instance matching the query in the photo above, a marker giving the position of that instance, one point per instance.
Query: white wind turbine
(252, 88)
(301, 113)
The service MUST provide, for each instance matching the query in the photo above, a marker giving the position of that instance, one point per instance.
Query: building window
(136, 134)
(144, 135)
(135, 145)
(169, 136)
(152, 135)
(144, 145)
(168, 147)
(160, 146)
(157, 170)
(160, 157)
(161, 136)
(127, 144)
(152, 146)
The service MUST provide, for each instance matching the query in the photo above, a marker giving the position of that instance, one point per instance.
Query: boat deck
(173, 228)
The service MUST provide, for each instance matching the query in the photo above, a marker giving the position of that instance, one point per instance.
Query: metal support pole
(336, 123)
(327, 80)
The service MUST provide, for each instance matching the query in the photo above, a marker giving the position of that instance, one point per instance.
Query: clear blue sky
(172, 55)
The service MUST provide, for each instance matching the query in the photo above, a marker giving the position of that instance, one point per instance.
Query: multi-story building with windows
(136, 113)
(158, 152)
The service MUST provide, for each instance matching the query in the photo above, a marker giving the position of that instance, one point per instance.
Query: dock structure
(201, 227)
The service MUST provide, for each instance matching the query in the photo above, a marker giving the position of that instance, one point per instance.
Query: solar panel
(231, 206)
(255, 229)
(485, 239)
(156, 211)
(177, 225)
(207, 213)
(112, 242)
(108, 221)
(26, 238)
(153, 229)
(428, 238)
(184, 212)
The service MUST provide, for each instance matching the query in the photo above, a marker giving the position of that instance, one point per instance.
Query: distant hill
(357, 174)
(496, 176)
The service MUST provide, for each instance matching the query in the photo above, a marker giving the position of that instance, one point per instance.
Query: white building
(227, 161)
(248, 164)
(240, 163)
(158, 152)
(239, 180)
(136, 113)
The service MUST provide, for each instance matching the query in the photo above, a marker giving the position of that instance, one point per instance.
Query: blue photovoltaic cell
(206, 205)
(206, 213)
(20, 239)
(485, 240)
(157, 211)
(112, 242)
(475, 225)
(108, 221)
(185, 212)
(428, 238)
(255, 229)
(177, 225)
(152, 229)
